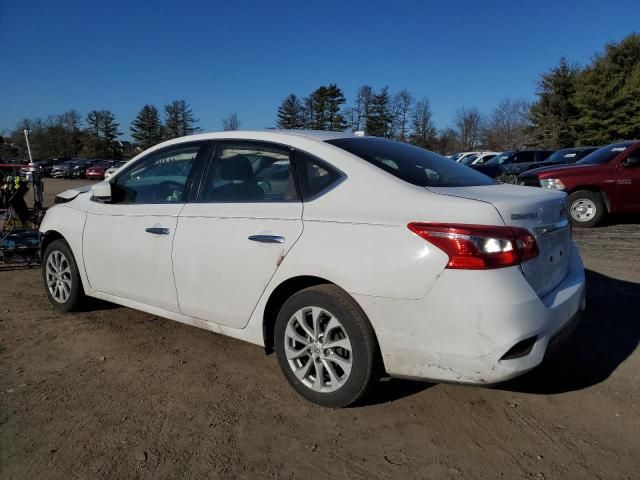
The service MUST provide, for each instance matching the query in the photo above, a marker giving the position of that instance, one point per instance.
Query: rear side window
(412, 164)
(315, 176)
(525, 157)
(249, 172)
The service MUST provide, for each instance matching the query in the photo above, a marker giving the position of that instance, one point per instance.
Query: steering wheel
(265, 185)
(168, 191)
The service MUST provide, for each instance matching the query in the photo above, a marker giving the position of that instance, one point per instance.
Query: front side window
(412, 164)
(160, 177)
(246, 172)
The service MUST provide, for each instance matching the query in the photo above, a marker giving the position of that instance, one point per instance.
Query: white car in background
(478, 158)
(110, 171)
(349, 256)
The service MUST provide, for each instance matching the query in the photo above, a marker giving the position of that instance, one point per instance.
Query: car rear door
(232, 238)
(127, 242)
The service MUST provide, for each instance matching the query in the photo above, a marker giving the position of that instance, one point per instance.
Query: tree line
(592, 105)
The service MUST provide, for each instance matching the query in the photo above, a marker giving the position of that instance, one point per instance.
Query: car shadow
(608, 333)
(90, 304)
(392, 389)
(621, 219)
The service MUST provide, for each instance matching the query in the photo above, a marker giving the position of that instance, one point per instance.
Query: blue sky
(245, 57)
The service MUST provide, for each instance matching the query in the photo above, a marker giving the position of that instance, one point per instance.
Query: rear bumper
(463, 329)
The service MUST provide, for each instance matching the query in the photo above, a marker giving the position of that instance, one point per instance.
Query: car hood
(72, 193)
(570, 169)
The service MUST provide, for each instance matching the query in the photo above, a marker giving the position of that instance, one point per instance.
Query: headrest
(236, 168)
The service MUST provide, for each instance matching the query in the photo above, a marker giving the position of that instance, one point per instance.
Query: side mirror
(632, 161)
(101, 192)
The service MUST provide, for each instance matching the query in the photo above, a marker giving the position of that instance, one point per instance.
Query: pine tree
(291, 113)
(110, 132)
(324, 108)
(607, 95)
(102, 131)
(554, 115)
(179, 120)
(378, 122)
(146, 129)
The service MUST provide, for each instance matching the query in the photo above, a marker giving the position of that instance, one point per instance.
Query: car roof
(320, 135)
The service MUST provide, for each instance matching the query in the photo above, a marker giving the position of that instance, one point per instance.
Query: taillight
(479, 247)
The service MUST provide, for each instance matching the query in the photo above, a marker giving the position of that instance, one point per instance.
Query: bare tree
(424, 131)
(468, 124)
(507, 125)
(402, 104)
(361, 110)
(231, 122)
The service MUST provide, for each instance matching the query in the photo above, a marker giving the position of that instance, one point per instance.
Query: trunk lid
(541, 211)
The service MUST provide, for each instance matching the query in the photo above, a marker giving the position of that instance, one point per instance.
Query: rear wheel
(325, 346)
(61, 278)
(586, 208)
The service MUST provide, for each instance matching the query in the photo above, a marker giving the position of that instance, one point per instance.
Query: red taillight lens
(479, 247)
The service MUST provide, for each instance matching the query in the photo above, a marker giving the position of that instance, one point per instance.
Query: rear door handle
(158, 230)
(267, 238)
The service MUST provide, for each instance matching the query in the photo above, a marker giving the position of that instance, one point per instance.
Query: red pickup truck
(605, 181)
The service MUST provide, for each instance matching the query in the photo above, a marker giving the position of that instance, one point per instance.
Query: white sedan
(352, 257)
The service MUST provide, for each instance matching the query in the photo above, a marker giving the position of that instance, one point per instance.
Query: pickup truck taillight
(479, 247)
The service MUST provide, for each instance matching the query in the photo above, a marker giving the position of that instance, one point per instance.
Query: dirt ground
(113, 393)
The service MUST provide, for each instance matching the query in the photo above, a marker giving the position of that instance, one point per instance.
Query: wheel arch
(47, 238)
(593, 189)
(284, 291)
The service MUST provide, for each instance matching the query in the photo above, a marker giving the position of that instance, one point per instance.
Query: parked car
(605, 181)
(464, 157)
(98, 169)
(511, 171)
(63, 170)
(111, 170)
(496, 165)
(80, 167)
(478, 158)
(287, 239)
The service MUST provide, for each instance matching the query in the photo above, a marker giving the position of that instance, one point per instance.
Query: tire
(354, 346)
(586, 208)
(61, 278)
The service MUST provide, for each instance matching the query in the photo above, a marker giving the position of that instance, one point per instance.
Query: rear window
(412, 164)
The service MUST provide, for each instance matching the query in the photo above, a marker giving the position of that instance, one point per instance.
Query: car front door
(231, 240)
(628, 183)
(127, 241)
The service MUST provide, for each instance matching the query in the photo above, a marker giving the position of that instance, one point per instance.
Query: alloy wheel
(318, 349)
(59, 279)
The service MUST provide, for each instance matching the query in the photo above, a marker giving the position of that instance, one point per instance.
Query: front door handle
(158, 230)
(267, 238)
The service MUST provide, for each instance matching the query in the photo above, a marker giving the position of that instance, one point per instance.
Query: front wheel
(586, 208)
(325, 346)
(61, 278)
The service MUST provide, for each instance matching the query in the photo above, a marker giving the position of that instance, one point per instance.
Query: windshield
(468, 160)
(499, 159)
(412, 164)
(562, 156)
(604, 154)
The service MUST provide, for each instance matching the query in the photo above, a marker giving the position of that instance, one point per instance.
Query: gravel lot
(113, 393)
